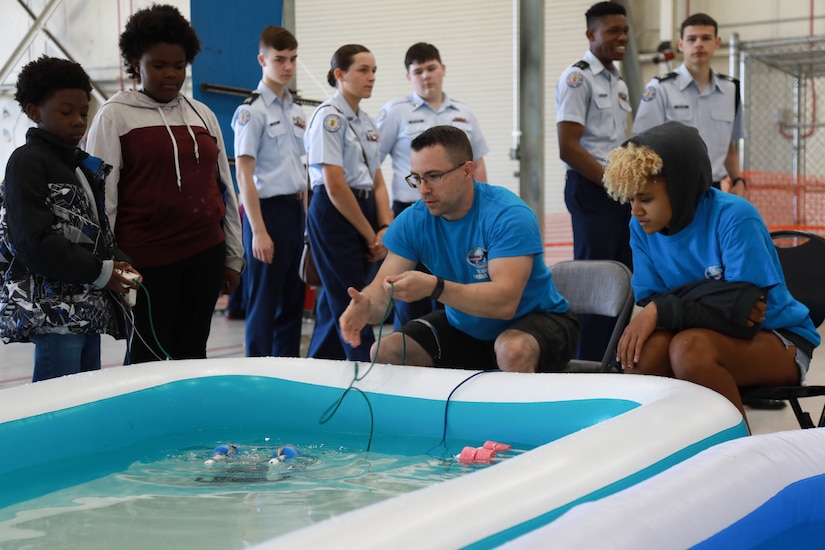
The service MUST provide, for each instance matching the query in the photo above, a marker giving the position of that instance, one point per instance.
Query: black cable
(151, 322)
(443, 441)
(330, 411)
(131, 318)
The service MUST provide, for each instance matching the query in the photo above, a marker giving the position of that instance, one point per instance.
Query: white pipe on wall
(666, 10)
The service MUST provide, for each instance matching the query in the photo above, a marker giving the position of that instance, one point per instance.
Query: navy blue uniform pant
(274, 293)
(340, 254)
(600, 232)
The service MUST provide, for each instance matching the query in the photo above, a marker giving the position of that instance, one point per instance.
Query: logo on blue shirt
(715, 272)
(477, 257)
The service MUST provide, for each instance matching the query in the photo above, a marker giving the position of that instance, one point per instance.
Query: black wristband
(735, 180)
(439, 288)
(382, 226)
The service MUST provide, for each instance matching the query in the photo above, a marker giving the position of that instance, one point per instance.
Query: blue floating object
(286, 452)
(227, 449)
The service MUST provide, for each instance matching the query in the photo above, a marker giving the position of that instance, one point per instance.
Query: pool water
(179, 501)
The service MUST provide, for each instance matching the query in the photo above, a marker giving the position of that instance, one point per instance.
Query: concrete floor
(227, 340)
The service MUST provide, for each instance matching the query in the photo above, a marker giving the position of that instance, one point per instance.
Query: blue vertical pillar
(226, 68)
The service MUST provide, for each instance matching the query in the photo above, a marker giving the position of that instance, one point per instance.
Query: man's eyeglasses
(414, 180)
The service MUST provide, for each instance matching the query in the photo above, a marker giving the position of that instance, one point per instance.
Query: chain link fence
(784, 152)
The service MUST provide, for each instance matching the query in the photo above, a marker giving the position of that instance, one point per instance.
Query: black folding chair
(802, 256)
(598, 287)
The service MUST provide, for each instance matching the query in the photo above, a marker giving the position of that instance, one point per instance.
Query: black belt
(359, 193)
(294, 196)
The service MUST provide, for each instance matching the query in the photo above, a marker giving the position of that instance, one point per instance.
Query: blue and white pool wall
(765, 491)
(661, 422)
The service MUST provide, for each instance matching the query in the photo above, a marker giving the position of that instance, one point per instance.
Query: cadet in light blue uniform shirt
(595, 97)
(401, 120)
(592, 109)
(697, 96)
(340, 137)
(349, 210)
(269, 130)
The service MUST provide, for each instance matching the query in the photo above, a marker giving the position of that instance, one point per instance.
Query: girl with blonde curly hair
(715, 307)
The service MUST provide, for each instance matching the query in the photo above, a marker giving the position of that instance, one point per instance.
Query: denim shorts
(802, 359)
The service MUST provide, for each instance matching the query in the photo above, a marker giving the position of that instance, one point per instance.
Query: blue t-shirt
(728, 241)
(498, 225)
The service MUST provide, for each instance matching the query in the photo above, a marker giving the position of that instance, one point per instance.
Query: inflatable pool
(760, 492)
(590, 435)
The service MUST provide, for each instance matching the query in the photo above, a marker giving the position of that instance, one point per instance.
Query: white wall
(475, 46)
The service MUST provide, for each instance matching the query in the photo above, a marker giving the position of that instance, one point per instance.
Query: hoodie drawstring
(192, 135)
(174, 146)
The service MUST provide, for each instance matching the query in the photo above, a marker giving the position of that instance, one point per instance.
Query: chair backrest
(599, 287)
(802, 256)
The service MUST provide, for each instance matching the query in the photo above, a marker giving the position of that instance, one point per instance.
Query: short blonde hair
(628, 168)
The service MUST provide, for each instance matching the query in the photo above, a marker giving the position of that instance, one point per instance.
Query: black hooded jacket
(686, 168)
(717, 305)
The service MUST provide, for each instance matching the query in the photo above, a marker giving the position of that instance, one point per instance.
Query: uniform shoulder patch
(575, 79)
(332, 122)
(382, 114)
(668, 76)
(251, 98)
(581, 64)
(649, 94)
(243, 116)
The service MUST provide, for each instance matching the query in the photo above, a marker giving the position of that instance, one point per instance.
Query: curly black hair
(40, 79)
(150, 26)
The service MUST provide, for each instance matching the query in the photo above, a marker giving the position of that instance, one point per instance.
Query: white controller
(131, 296)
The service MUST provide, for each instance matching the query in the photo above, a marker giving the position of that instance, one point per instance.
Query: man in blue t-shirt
(482, 246)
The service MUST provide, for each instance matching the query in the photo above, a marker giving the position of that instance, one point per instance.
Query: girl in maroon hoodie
(169, 197)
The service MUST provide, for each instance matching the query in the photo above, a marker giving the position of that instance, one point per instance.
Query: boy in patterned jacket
(63, 276)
